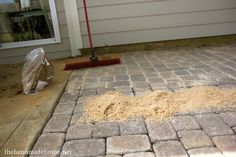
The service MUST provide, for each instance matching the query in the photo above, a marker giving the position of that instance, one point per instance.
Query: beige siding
(131, 21)
(61, 50)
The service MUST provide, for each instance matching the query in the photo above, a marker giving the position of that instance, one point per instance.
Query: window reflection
(24, 20)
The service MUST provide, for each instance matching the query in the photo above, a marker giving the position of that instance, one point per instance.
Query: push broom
(93, 61)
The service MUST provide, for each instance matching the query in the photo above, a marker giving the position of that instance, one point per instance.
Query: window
(27, 23)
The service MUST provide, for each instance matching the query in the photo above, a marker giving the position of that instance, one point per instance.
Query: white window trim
(56, 39)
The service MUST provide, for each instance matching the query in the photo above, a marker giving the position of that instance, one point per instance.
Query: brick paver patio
(210, 133)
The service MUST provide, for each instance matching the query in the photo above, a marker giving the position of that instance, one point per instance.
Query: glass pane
(24, 20)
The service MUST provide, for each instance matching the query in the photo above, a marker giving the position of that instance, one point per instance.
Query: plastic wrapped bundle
(37, 71)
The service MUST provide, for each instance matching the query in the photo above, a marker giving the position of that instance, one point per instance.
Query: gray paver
(144, 92)
(124, 89)
(229, 118)
(121, 77)
(79, 131)
(159, 86)
(90, 80)
(181, 72)
(57, 123)
(140, 154)
(134, 71)
(194, 139)
(106, 79)
(205, 152)
(197, 71)
(85, 99)
(184, 123)
(131, 94)
(70, 95)
(160, 67)
(137, 78)
(75, 82)
(128, 144)
(156, 80)
(104, 90)
(118, 83)
(213, 125)
(226, 144)
(228, 86)
(133, 126)
(78, 108)
(49, 142)
(93, 73)
(174, 87)
(84, 148)
(65, 108)
(76, 119)
(169, 149)
(106, 129)
(152, 74)
(140, 85)
(190, 77)
(88, 92)
(159, 131)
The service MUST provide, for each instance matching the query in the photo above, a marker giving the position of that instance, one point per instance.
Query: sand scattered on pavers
(157, 105)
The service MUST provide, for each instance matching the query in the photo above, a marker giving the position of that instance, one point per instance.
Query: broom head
(80, 63)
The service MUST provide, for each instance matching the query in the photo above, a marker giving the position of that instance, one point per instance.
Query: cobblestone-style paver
(141, 154)
(70, 95)
(229, 118)
(205, 152)
(133, 126)
(58, 123)
(184, 123)
(65, 108)
(101, 91)
(49, 142)
(207, 132)
(160, 131)
(88, 147)
(169, 148)
(118, 84)
(75, 119)
(88, 92)
(213, 125)
(106, 129)
(194, 139)
(79, 131)
(128, 144)
(226, 144)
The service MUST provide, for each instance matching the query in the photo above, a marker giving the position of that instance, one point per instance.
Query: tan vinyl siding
(60, 50)
(131, 21)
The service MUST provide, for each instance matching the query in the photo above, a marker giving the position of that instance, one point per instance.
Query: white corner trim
(72, 18)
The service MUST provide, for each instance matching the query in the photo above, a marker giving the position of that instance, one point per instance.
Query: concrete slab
(23, 117)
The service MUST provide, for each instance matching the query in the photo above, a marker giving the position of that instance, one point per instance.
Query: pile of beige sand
(157, 105)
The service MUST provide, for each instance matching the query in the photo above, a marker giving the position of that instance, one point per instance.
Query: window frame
(54, 40)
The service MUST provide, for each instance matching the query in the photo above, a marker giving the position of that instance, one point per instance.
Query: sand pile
(157, 105)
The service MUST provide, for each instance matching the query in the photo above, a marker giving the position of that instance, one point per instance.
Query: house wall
(116, 22)
(61, 50)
